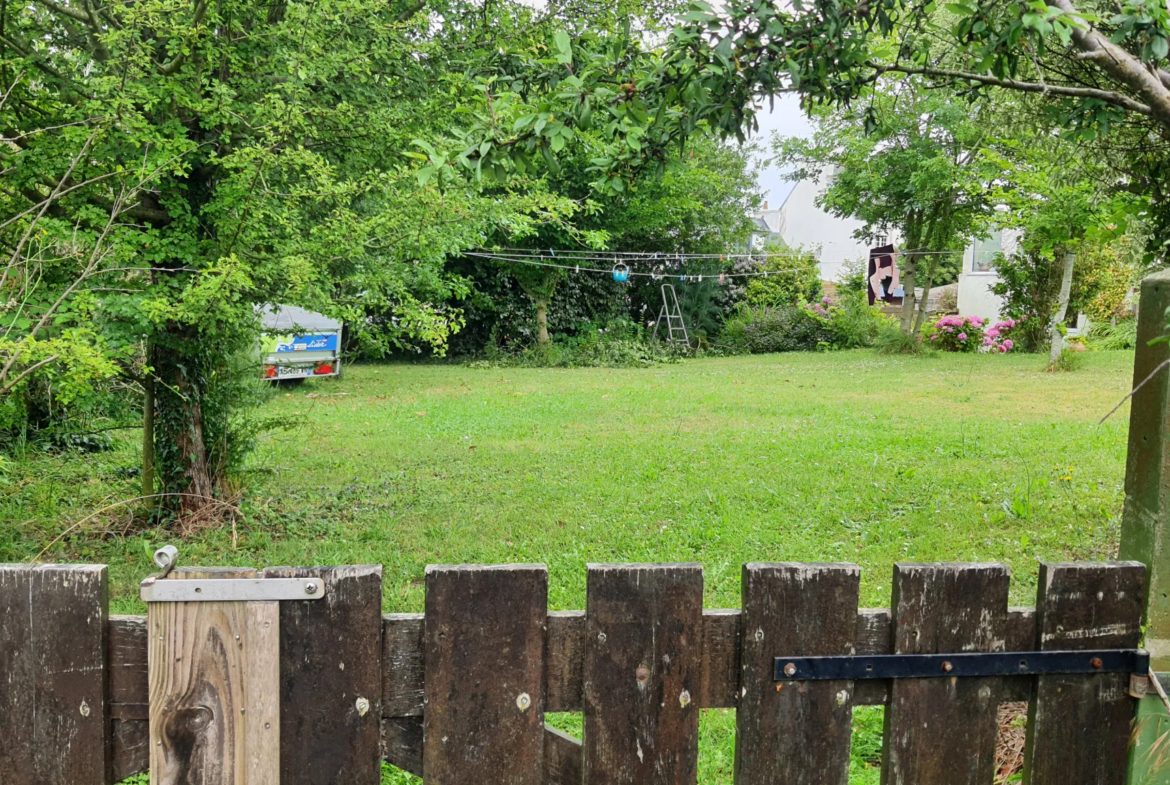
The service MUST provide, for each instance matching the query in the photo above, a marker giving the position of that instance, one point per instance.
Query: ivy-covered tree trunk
(181, 457)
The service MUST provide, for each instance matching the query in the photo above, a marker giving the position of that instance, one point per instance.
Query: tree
(920, 171)
(1098, 68)
(1063, 202)
(222, 156)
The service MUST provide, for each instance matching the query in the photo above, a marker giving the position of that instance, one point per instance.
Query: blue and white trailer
(299, 344)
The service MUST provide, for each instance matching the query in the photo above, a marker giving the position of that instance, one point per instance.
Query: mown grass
(847, 456)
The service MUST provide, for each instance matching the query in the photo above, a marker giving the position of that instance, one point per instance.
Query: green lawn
(846, 456)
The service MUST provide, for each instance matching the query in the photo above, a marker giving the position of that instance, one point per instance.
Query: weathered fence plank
(485, 631)
(213, 680)
(1079, 726)
(53, 674)
(331, 678)
(129, 693)
(402, 743)
(943, 731)
(795, 733)
(642, 668)
(402, 664)
(564, 660)
(562, 758)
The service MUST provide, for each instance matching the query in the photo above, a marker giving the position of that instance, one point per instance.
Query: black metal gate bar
(921, 666)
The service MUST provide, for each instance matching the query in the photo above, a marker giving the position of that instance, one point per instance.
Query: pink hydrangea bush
(957, 333)
(998, 338)
(971, 334)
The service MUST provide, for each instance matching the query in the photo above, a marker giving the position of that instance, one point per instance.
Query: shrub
(793, 278)
(891, 340)
(1107, 337)
(957, 333)
(849, 324)
(615, 344)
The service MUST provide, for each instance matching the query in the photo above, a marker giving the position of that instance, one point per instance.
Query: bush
(971, 334)
(793, 278)
(1110, 337)
(891, 340)
(615, 344)
(824, 325)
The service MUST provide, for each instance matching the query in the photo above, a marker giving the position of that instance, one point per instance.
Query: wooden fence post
(1145, 527)
(53, 674)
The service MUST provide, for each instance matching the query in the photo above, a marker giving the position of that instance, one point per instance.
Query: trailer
(298, 344)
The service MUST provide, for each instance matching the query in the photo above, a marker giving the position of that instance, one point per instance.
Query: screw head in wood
(790, 669)
(1096, 663)
(310, 588)
(684, 698)
(84, 709)
(523, 701)
(642, 674)
(947, 667)
(362, 705)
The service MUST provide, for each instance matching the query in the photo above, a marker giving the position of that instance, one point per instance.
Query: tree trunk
(542, 337)
(909, 281)
(182, 465)
(148, 436)
(1061, 309)
(926, 287)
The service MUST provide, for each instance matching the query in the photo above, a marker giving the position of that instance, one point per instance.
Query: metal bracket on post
(154, 589)
(925, 666)
(231, 590)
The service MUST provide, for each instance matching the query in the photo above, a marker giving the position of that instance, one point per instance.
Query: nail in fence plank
(214, 716)
(643, 663)
(795, 732)
(484, 718)
(129, 691)
(943, 731)
(331, 678)
(1079, 726)
(52, 674)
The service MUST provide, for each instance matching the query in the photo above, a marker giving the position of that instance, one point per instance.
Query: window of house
(985, 252)
(881, 240)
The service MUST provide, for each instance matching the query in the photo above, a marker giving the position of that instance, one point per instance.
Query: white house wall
(804, 225)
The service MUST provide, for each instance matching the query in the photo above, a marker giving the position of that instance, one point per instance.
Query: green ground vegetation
(839, 456)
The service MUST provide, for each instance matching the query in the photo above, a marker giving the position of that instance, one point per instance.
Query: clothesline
(657, 275)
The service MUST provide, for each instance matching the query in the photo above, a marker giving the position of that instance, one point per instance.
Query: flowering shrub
(957, 333)
(971, 334)
(998, 337)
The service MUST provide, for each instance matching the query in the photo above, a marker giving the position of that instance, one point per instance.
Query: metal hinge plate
(231, 589)
(920, 666)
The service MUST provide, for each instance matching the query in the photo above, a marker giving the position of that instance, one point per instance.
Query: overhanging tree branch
(1107, 96)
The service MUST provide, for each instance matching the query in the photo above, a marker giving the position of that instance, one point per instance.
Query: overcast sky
(788, 120)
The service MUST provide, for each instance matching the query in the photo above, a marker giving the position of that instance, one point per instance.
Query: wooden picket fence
(320, 692)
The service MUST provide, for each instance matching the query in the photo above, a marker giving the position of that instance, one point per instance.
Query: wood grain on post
(331, 678)
(1079, 726)
(943, 731)
(643, 664)
(484, 718)
(795, 732)
(214, 688)
(53, 674)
